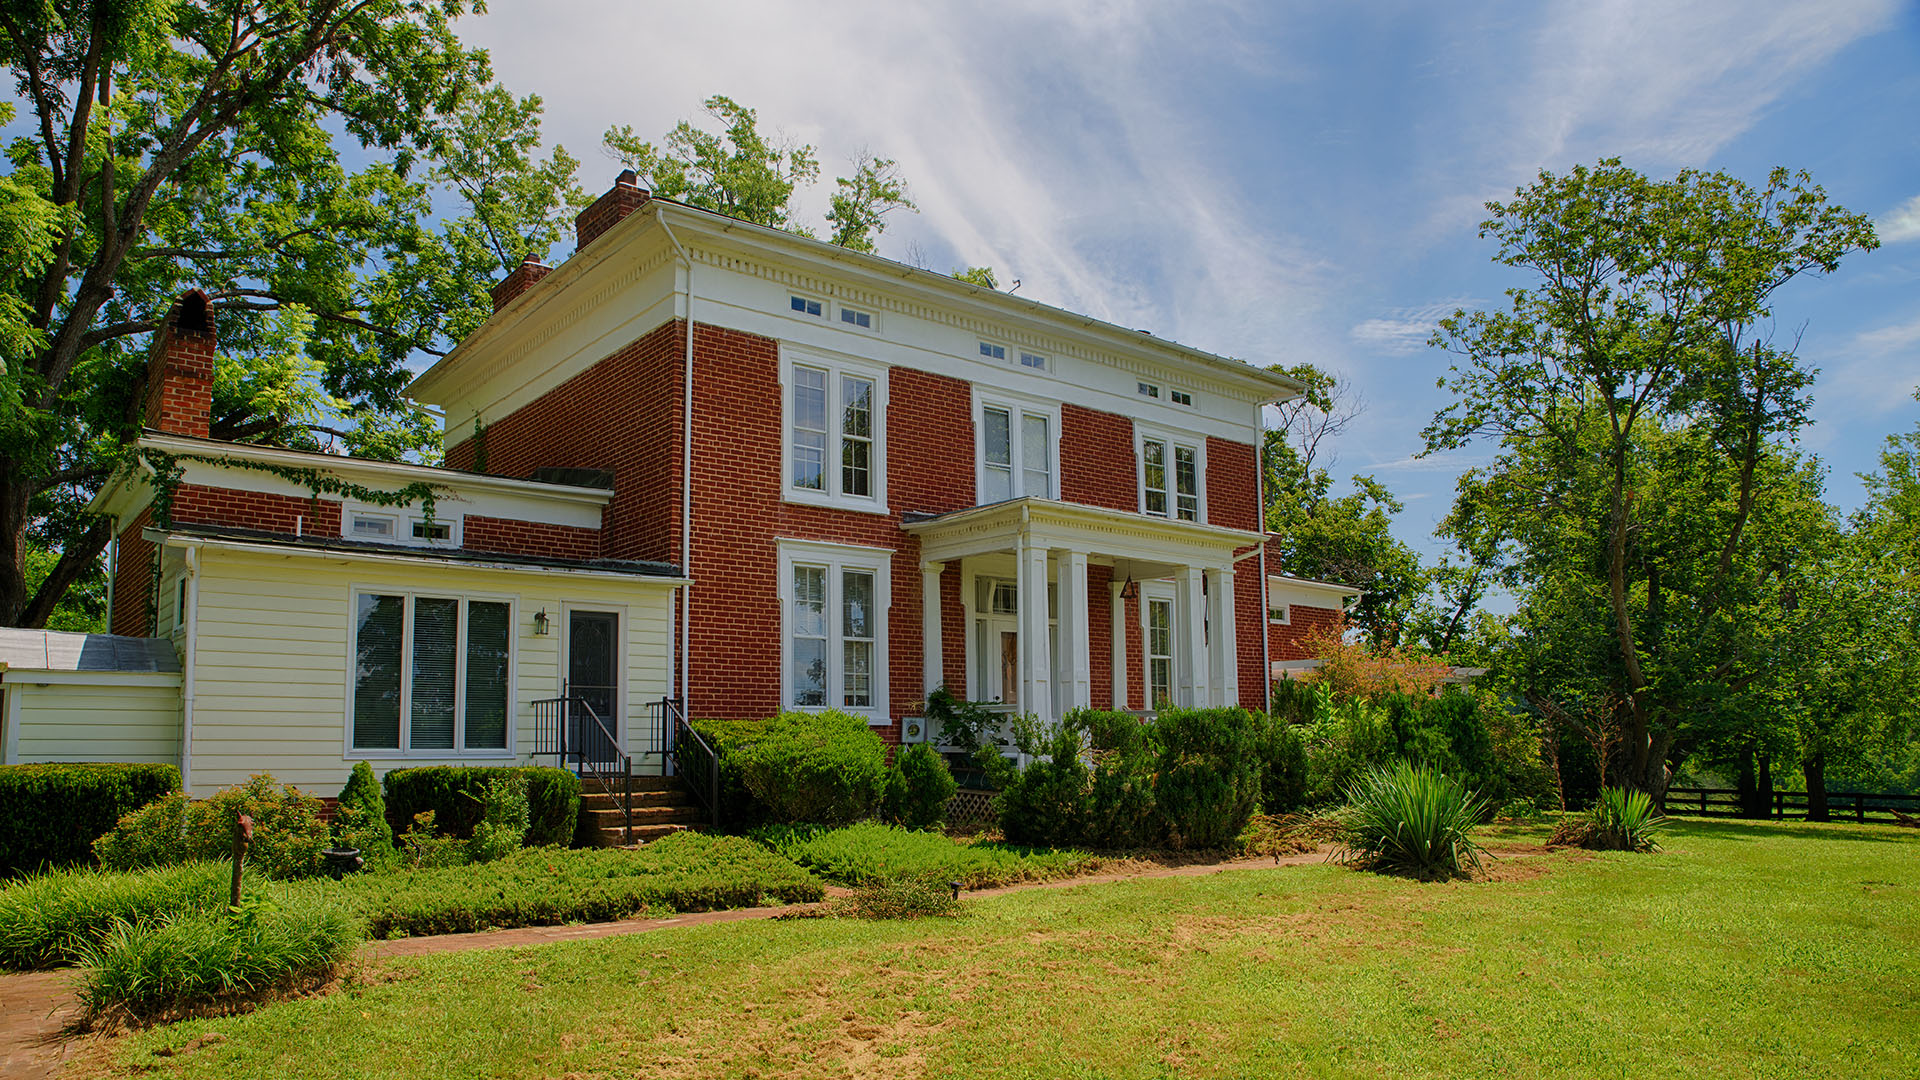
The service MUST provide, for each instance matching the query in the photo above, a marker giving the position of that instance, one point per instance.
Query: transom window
(856, 317)
(836, 600)
(1148, 389)
(370, 526)
(430, 674)
(400, 526)
(1018, 448)
(1033, 360)
(993, 352)
(834, 434)
(1172, 477)
(1180, 397)
(801, 305)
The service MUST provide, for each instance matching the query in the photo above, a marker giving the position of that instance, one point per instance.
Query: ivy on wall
(167, 470)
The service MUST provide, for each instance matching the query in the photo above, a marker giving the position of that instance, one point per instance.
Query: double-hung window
(431, 675)
(1172, 476)
(835, 640)
(835, 424)
(1018, 450)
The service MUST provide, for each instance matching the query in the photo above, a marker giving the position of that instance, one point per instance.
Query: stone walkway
(37, 1007)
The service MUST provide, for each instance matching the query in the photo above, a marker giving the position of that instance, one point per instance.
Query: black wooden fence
(1858, 806)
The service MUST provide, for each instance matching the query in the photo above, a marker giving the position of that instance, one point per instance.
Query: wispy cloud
(1404, 330)
(1900, 224)
(1876, 373)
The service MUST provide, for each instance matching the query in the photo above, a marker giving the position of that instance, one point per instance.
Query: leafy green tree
(1346, 539)
(1641, 474)
(982, 276)
(740, 172)
(173, 146)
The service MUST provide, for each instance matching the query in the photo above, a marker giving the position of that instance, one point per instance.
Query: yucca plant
(1411, 819)
(1621, 819)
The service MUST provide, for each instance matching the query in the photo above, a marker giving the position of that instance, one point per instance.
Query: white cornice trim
(173, 539)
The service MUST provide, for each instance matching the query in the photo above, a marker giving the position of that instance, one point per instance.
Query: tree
(739, 172)
(1348, 539)
(1641, 474)
(982, 276)
(194, 145)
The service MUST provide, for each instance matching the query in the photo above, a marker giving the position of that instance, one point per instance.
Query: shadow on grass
(1750, 830)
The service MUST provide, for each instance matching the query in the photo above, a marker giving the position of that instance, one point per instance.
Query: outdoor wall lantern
(541, 624)
(1130, 591)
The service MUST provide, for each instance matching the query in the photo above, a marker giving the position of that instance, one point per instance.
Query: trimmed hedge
(51, 814)
(824, 768)
(457, 796)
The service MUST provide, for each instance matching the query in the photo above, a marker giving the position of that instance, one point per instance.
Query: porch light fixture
(1130, 591)
(541, 624)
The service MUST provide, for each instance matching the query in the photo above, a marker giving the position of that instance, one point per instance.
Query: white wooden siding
(107, 717)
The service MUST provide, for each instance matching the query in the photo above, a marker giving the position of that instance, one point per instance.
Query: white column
(932, 661)
(1075, 629)
(1119, 612)
(1036, 657)
(1225, 650)
(1190, 639)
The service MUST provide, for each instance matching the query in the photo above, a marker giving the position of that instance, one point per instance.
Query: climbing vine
(167, 470)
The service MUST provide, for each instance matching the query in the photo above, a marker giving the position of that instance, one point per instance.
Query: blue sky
(1287, 182)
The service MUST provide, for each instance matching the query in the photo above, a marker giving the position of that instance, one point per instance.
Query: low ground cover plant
(50, 814)
(1411, 819)
(550, 886)
(869, 852)
(54, 918)
(147, 969)
(1620, 819)
(288, 835)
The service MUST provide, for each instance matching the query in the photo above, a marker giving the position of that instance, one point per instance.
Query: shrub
(1207, 783)
(870, 852)
(288, 835)
(546, 887)
(52, 918)
(51, 814)
(457, 796)
(919, 786)
(1411, 819)
(152, 968)
(503, 819)
(1045, 802)
(1348, 738)
(824, 768)
(423, 847)
(901, 898)
(738, 807)
(360, 817)
(1620, 819)
(1282, 751)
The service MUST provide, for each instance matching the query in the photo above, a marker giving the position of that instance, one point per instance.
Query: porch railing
(568, 729)
(692, 757)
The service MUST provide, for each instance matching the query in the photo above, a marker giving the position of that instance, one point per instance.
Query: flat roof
(61, 650)
(343, 546)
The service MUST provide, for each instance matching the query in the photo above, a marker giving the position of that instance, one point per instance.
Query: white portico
(1028, 569)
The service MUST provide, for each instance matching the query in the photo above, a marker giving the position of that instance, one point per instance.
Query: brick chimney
(519, 280)
(626, 196)
(180, 369)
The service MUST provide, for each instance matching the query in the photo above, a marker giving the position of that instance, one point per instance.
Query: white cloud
(1901, 224)
(1875, 374)
(1404, 330)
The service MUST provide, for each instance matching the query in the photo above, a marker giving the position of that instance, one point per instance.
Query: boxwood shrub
(51, 814)
(456, 794)
(825, 768)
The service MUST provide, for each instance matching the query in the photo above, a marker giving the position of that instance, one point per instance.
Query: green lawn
(1743, 950)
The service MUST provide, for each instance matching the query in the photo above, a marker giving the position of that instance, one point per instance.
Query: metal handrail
(596, 754)
(692, 756)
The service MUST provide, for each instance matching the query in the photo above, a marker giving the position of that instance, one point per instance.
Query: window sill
(430, 755)
(831, 502)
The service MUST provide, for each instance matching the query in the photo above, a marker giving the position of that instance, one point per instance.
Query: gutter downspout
(1266, 602)
(113, 570)
(686, 471)
(192, 553)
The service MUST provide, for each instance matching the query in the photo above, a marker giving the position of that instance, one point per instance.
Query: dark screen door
(593, 669)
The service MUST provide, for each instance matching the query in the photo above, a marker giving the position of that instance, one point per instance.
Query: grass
(1742, 950)
(870, 853)
(56, 917)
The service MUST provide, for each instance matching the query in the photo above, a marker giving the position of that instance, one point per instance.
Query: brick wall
(1100, 635)
(180, 370)
(133, 585)
(479, 533)
(1096, 459)
(621, 414)
(1288, 641)
(231, 508)
(1249, 616)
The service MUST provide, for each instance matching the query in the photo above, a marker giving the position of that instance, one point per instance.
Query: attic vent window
(373, 528)
(861, 319)
(992, 351)
(434, 532)
(1148, 389)
(1181, 397)
(804, 306)
(1033, 360)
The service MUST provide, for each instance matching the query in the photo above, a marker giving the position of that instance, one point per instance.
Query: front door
(593, 675)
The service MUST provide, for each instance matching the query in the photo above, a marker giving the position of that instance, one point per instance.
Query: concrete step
(645, 815)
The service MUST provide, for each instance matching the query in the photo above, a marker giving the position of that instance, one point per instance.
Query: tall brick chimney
(518, 280)
(626, 196)
(180, 369)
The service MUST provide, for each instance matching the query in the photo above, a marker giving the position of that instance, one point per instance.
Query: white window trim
(836, 558)
(1005, 351)
(1014, 403)
(458, 751)
(1151, 591)
(840, 319)
(1286, 613)
(403, 520)
(788, 308)
(836, 366)
(1145, 433)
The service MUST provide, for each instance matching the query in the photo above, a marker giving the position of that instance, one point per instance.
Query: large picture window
(1172, 476)
(835, 425)
(431, 674)
(835, 636)
(1018, 450)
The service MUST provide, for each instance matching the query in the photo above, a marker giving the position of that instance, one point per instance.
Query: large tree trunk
(13, 544)
(1814, 768)
(1748, 785)
(1765, 795)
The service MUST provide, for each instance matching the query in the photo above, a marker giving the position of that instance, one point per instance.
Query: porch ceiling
(1045, 523)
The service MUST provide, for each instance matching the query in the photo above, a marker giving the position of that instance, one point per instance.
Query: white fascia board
(389, 472)
(292, 551)
(1311, 593)
(121, 497)
(31, 676)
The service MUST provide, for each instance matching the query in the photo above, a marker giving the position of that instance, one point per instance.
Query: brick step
(650, 815)
(636, 783)
(600, 800)
(645, 833)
